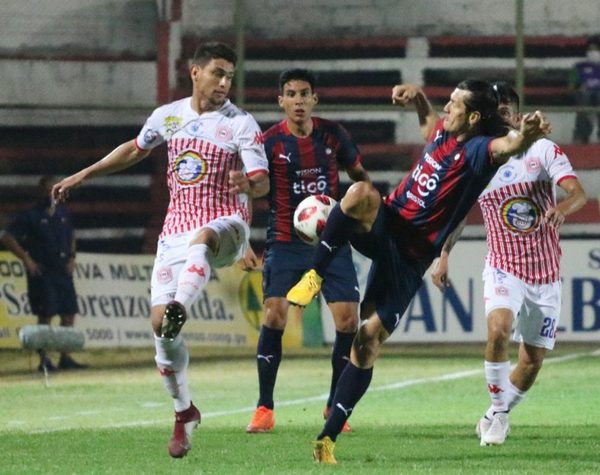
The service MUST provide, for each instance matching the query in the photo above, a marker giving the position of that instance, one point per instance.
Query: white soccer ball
(311, 215)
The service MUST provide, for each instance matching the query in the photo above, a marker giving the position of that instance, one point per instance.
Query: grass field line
(323, 397)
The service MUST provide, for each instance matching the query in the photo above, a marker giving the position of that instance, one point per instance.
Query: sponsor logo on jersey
(412, 197)
(499, 276)
(557, 151)
(194, 128)
(309, 172)
(520, 215)
(426, 183)
(189, 168)
(172, 124)
(285, 157)
(429, 159)
(224, 133)
(533, 165)
(312, 186)
(150, 136)
(164, 275)
(506, 173)
(501, 291)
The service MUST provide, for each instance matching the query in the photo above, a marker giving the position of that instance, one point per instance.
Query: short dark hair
(505, 93)
(297, 74)
(482, 99)
(214, 50)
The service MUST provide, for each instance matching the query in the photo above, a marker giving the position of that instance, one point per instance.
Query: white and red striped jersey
(202, 149)
(513, 206)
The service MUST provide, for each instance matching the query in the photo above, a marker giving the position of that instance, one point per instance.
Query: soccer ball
(310, 217)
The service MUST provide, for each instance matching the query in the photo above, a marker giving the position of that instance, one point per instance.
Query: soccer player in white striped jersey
(522, 268)
(216, 162)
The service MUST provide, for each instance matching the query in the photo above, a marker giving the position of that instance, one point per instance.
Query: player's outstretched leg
(306, 289)
(173, 319)
(172, 360)
(323, 451)
(185, 422)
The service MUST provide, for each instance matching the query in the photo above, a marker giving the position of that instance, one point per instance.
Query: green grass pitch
(418, 416)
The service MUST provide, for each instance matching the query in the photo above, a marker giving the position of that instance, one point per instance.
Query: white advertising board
(458, 314)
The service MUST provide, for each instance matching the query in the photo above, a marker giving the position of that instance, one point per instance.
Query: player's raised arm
(534, 126)
(122, 157)
(404, 94)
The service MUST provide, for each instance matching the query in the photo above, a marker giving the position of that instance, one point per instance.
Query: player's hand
(554, 217)
(239, 182)
(70, 265)
(33, 268)
(439, 273)
(249, 261)
(534, 126)
(60, 191)
(404, 94)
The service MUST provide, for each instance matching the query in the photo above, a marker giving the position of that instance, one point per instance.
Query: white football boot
(498, 431)
(483, 425)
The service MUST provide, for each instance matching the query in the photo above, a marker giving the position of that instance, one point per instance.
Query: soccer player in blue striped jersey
(403, 232)
(305, 154)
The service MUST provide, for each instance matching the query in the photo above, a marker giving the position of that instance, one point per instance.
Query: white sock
(172, 359)
(496, 375)
(513, 395)
(194, 276)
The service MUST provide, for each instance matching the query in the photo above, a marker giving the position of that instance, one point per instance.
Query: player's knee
(275, 315)
(499, 327)
(362, 197)
(156, 318)
(365, 346)
(346, 322)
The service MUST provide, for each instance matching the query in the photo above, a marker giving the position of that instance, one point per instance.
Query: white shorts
(171, 254)
(536, 307)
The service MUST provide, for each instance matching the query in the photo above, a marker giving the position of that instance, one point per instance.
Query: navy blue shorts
(284, 264)
(52, 293)
(395, 276)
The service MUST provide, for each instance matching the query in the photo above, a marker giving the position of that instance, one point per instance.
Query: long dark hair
(483, 99)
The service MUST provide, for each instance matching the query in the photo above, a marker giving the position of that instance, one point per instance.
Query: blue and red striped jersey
(441, 188)
(303, 166)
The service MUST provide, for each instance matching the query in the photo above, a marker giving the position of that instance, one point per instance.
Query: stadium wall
(100, 27)
(113, 27)
(377, 18)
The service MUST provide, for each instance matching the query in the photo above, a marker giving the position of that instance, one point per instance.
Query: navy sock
(339, 359)
(336, 233)
(268, 357)
(352, 385)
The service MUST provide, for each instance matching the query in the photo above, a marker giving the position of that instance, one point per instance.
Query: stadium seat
(110, 214)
